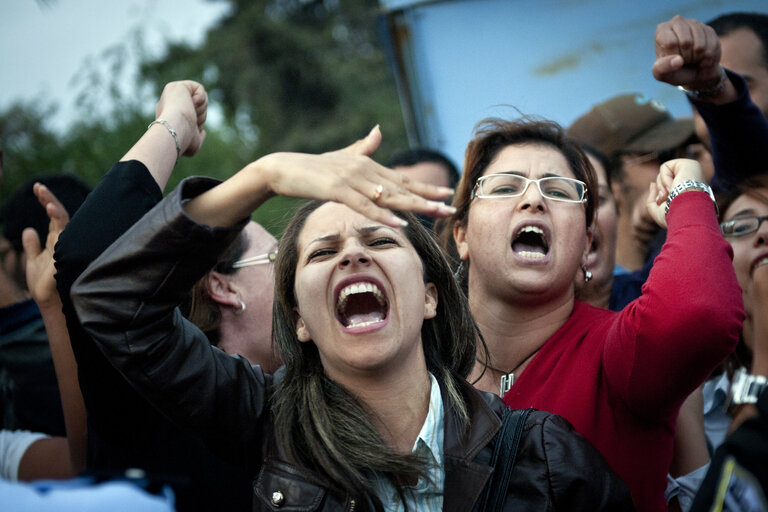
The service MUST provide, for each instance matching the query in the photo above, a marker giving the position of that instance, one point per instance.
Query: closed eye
(320, 253)
(382, 241)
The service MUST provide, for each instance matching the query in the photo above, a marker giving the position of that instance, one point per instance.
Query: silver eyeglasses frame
(259, 259)
(528, 181)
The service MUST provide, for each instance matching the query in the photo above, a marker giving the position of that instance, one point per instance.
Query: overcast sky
(45, 43)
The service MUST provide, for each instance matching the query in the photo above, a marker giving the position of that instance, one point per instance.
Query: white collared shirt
(426, 495)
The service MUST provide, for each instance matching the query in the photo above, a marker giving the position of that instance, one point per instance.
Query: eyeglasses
(741, 226)
(556, 188)
(259, 259)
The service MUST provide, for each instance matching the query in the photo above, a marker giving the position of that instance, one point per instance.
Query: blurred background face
(256, 287)
(742, 53)
(426, 172)
(750, 251)
(602, 253)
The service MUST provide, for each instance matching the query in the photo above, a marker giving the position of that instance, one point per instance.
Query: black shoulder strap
(503, 460)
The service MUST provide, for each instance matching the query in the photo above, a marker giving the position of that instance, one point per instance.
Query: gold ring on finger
(377, 194)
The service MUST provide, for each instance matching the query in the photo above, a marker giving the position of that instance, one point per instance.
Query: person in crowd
(742, 38)
(637, 135)
(738, 472)
(523, 227)
(232, 305)
(601, 258)
(697, 58)
(124, 430)
(427, 166)
(29, 396)
(370, 410)
(26, 455)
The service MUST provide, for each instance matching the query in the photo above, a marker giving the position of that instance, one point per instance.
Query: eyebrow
(749, 212)
(521, 174)
(366, 230)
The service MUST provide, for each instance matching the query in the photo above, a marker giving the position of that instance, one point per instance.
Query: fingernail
(446, 190)
(403, 222)
(448, 208)
(373, 130)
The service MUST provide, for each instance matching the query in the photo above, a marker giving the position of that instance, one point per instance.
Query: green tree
(286, 75)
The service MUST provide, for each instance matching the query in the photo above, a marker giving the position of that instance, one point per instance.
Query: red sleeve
(687, 320)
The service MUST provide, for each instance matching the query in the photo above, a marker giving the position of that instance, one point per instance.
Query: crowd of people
(578, 320)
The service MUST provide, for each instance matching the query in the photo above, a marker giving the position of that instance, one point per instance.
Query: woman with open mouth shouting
(370, 411)
(523, 228)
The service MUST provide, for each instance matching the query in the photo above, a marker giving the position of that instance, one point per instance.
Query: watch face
(746, 388)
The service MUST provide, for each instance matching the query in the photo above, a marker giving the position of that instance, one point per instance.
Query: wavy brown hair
(320, 425)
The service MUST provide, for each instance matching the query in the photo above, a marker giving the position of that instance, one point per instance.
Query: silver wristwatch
(688, 185)
(745, 388)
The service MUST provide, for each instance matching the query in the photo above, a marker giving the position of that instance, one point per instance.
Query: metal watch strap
(746, 388)
(685, 186)
(711, 92)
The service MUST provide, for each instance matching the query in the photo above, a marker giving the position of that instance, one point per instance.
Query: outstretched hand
(687, 53)
(184, 104)
(39, 260)
(670, 174)
(349, 176)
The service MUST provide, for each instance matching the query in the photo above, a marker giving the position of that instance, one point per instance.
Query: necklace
(507, 378)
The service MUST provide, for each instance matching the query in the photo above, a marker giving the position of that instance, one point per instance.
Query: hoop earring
(587, 274)
(459, 270)
(242, 307)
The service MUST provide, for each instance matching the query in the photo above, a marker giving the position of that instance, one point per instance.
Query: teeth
(763, 261)
(531, 229)
(365, 324)
(359, 288)
(531, 255)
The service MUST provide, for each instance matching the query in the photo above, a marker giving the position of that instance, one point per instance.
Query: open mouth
(361, 304)
(531, 243)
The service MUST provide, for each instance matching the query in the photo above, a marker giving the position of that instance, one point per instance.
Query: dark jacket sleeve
(126, 301)
(565, 468)
(735, 130)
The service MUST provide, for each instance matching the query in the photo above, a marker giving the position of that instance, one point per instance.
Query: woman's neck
(398, 403)
(513, 333)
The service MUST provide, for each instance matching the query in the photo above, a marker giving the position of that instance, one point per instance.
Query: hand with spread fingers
(348, 176)
(39, 266)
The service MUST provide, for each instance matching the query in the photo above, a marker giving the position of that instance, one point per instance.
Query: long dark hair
(320, 425)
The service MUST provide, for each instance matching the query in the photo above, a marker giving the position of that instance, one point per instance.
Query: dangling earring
(459, 270)
(242, 307)
(587, 274)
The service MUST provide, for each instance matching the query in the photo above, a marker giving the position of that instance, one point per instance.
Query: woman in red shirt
(523, 228)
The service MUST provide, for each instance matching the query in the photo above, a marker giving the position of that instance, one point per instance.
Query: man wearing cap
(637, 135)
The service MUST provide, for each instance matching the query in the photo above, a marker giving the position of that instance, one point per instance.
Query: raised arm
(53, 457)
(689, 315)
(688, 55)
(346, 176)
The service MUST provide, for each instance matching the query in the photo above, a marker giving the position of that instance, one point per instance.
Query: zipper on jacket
(351, 505)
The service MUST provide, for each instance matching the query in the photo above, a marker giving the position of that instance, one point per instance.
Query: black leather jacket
(127, 299)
